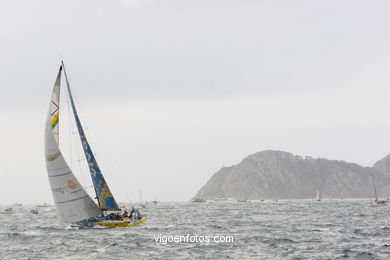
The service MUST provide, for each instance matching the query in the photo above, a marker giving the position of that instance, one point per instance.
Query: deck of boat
(121, 223)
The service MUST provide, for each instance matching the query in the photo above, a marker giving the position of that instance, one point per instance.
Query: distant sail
(72, 201)
(105, 198)
(373, 182)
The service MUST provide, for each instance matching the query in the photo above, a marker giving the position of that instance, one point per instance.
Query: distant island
(282, 175)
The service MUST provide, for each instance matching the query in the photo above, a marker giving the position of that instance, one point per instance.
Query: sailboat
(318, 195)
(377, 201)
(72, 201)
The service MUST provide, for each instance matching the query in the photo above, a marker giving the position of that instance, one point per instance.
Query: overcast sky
(170, 91)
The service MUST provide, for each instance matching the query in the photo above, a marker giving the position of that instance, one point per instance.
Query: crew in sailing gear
(139, 216)
(131, 212)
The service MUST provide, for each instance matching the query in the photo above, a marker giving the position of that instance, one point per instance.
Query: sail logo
(54, 121)
(92, 169)
(89, 158)
(72, 185)
(59, 189)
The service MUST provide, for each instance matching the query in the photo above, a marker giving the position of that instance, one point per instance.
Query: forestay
(105, 198)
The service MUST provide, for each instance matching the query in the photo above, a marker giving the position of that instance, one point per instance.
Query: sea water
(296, 229)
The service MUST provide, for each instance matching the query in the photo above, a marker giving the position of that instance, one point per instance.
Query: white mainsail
(72, 201)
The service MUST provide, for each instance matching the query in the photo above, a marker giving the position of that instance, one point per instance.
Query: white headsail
(72, 201)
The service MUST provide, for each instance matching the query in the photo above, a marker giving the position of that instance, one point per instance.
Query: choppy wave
(303, 229)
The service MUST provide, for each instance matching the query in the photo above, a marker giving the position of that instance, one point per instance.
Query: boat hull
(120, 223)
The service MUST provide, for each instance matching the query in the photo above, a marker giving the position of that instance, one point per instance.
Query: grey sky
(175, 89)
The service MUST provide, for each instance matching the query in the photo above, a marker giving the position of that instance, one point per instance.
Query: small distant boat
(44, 205)
(318, 195)
(72, 201)
(8, 211)
(377, 201)
(222, 199)
(244, 201)
(34, 211)
(198, 200)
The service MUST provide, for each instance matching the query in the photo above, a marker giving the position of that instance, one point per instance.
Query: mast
(373, 181)
(104, 196)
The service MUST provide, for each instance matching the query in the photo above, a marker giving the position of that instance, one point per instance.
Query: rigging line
(82, 173)
(73, 148)
(75, 114)
(116, 173)
(93, 137)
(96, 142)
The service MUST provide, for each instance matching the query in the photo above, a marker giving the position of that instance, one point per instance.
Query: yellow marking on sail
(104, 194)
(52, 156)
(54, 121)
